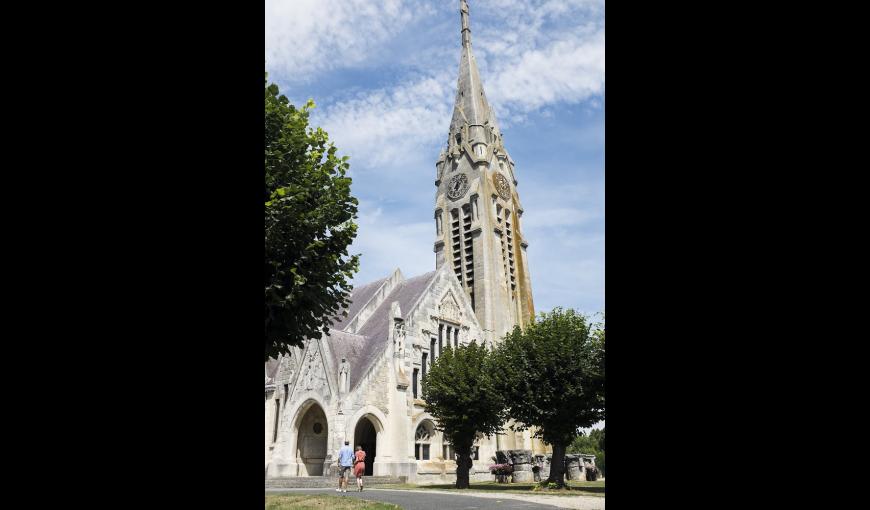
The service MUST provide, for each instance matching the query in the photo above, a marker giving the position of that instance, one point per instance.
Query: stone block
(573, 467)
(522, 463)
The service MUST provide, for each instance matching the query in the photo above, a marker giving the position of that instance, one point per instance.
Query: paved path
(429, 499)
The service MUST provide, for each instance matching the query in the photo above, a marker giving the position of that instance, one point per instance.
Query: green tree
(460, 392)
(309, 215)
(593, 444)
(598, 436)
(552, 375)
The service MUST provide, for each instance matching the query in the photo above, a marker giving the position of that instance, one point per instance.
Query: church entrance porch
(311, 445)
(366, 436)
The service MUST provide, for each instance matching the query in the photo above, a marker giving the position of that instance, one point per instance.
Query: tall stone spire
(477, 208)
(470, 106)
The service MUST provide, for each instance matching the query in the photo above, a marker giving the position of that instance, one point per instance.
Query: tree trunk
(463, 465)
(557, 466)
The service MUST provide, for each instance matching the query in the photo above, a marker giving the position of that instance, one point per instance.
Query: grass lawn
(574, 488)
(318, 501)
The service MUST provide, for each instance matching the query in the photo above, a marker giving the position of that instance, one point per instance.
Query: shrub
(501, 469)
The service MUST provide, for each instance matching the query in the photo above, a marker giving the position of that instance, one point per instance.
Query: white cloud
(304, 37)
(569, 70)
(387, 126)
(411, 117)
(552, 53)
(387, 242)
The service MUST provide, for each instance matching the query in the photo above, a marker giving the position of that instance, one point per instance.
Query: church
(362, 382)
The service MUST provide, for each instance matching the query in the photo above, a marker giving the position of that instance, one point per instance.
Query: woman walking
(359, 466)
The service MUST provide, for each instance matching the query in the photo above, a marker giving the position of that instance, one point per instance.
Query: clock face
(457, 186)
(502, 186)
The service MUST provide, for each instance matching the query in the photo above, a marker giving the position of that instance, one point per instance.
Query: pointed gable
(377, 327)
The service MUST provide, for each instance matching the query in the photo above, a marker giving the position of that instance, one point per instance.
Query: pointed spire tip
(466, 26)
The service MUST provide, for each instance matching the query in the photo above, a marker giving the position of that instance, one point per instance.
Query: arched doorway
(366, 436)
(311, 443)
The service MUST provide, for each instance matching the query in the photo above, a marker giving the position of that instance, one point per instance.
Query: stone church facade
(363, 381)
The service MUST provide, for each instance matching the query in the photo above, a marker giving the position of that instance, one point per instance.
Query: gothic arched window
(422, 440)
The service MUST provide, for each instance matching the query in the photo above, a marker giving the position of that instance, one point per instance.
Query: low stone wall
(440, 472)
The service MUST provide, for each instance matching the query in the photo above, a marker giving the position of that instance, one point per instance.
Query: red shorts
(359, 469)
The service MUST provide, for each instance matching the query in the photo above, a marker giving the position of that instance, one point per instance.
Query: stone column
(538, 466)
(545, 466)
(572, 467)
(522, 461)
(586, 462)
(328, 467)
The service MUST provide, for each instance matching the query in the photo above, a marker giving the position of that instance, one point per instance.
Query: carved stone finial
(466, 26)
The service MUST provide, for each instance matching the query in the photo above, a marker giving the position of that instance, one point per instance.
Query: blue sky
(383, 74)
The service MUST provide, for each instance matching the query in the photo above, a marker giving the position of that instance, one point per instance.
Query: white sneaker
(337, 490)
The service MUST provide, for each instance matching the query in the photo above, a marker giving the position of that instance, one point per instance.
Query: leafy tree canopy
(460, 392)
(552, 375)
(309, 215)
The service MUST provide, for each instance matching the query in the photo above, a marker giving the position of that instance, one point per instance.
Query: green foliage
(460, 392)
(552, 375)
(590, 444)
(309, 215)
(598, 436)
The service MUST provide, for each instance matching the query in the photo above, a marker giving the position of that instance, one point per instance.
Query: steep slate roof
(359, 296)
(363, 349)
(346, 345)
(377, 327)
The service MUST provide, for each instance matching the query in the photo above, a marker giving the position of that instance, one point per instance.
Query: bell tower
(477, 208)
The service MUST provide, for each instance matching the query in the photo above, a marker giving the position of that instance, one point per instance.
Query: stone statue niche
(344, 377)
(398, 335)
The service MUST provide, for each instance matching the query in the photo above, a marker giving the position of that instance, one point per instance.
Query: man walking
(345, 462)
